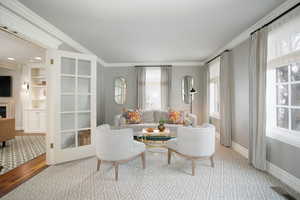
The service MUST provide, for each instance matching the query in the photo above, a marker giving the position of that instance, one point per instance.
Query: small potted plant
(161, 126)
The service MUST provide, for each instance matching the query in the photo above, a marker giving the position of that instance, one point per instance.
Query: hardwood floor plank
(22, 173)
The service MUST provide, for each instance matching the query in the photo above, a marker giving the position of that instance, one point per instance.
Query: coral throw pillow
(175, 117)
(133, 117)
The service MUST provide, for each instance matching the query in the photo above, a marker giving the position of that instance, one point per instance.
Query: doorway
(23, 101)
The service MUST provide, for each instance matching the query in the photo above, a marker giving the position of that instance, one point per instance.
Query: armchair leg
(98, 164)
(193, 167)
(116, 170)
(169, 156)
(212, 161)
(143, 160)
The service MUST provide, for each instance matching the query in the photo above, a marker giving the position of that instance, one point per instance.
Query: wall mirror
(187, 83)
(120, 90)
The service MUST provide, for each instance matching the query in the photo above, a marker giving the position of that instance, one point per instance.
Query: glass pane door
(75, 98)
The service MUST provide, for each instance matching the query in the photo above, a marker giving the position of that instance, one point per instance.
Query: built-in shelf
(35, 110)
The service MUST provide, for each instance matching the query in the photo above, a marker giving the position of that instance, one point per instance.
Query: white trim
(285, 137)
(26, 30)
(24, 12)
(272, 169)
(245, 35)
(132, 64)
(240, 149)
(284, 176)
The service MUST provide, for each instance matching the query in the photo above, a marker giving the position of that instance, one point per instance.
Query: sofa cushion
(176, 117)
(148, 116)
(158, 115)
(133, 117)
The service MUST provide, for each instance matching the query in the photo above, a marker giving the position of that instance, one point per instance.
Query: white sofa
(150, 119)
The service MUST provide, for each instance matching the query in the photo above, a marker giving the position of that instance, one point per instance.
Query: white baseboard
(284, 176)
(240, 149)
(287, 178)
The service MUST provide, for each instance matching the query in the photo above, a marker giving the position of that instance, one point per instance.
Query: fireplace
(3, 111)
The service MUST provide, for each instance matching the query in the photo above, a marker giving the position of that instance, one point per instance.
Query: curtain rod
(217, 56)
(153, 66)
(278, 17)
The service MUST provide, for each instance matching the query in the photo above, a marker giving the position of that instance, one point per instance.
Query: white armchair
(117, 146)
(193, 144)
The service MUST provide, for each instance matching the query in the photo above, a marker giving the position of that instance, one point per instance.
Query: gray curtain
(257, 84)
(225, 100)
(141, 84)
(205, 94)
(166, 85)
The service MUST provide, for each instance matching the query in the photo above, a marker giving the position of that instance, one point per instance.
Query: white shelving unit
(35, 110)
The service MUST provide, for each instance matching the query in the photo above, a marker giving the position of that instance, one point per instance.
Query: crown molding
(26, 30)
(24, 12)
(132, 64)
(245, 35)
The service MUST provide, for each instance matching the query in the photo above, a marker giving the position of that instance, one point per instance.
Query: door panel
(72, 107)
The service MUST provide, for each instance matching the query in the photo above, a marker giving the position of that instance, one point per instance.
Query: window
(153, 88)
(283, 78)
(214, 89)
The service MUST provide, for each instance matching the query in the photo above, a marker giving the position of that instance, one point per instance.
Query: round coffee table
(155, 140)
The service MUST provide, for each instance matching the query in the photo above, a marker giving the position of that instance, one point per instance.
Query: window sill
(285, 137)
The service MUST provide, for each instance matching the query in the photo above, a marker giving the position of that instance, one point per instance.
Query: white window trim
(285, 136)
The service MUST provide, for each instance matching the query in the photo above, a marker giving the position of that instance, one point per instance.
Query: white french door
(71, 105)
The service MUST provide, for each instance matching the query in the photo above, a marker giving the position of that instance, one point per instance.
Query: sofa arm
(193, 118)
(119, 120)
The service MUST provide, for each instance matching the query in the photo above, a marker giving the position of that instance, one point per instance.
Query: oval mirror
(120, 90)
(187, 84)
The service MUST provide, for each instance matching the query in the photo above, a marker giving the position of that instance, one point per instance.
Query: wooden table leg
(143, 160)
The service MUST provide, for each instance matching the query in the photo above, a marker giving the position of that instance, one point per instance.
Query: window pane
(282, 74)
(295, 94)
(295, 72)
(153, 88)
(212, 98)
(282, 95)
(282, 118)
(296, 119)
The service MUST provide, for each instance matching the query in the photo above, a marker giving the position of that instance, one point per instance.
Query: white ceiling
(152, 30)
(22, 51)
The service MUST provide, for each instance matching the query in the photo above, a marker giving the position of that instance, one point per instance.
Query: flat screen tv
(5, 86)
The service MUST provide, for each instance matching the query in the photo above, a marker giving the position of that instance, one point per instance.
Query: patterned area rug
(231, 179)
(20, 150)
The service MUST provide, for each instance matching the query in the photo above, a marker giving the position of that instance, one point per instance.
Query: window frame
(286, 135)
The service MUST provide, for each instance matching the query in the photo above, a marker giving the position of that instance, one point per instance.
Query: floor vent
(283, 193)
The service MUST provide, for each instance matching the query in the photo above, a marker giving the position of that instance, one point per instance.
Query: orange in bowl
(150, 130)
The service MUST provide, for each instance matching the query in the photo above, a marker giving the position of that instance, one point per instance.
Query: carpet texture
(20, 150)
(231, 179)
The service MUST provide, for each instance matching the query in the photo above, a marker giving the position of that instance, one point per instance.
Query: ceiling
(152, 30)
(22, 51)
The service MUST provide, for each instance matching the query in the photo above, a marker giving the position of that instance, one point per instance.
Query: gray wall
(106, 90)
(110, 74)
(280, 154)
(240, 94)
(178, 72)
